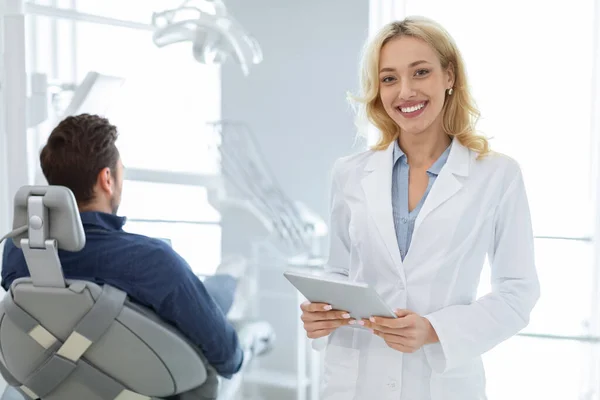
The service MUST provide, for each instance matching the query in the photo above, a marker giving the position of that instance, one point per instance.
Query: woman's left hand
(407, 333)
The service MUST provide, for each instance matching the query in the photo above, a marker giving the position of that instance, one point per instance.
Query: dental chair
(74, 340)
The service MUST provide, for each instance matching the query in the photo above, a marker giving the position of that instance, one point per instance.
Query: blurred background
(228, 141)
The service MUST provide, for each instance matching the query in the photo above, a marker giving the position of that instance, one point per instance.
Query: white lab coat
(475, 208)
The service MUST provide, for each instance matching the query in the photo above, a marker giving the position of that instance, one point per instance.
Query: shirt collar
(436, 168)
(102, 220)
(398, 153)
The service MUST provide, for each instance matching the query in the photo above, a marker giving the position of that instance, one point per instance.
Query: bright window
(199, 244)
(526, 368)
(163, 201)
(179, 213)
(162, 114)
(166, 101)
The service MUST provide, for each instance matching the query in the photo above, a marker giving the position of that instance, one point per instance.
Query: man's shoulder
(150, 264)
(148, 245)
(143, 241)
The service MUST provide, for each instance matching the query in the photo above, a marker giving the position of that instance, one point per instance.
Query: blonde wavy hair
(460, 113)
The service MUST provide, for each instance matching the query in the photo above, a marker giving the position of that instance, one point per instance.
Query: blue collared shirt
(404, 221)
(152, 274)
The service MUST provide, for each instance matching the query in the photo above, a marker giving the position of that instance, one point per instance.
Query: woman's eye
(388, 79)
(422, 72)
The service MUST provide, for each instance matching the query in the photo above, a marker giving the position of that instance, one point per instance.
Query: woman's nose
(407, 90)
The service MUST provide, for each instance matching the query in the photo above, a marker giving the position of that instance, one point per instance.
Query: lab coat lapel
(377, 185)
(447, 183)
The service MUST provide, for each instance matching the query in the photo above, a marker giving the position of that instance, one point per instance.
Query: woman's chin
(412, 130)
(423, 128)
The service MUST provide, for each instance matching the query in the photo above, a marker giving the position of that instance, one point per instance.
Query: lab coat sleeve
(339, 239)
(468, 331)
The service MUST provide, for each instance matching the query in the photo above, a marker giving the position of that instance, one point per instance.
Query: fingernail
(346, 316)
(372, 319)
(361, 323)
(327, 308)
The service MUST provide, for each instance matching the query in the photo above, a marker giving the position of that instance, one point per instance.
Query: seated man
(81, 155)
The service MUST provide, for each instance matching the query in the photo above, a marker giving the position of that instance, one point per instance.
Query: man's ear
(105, 180)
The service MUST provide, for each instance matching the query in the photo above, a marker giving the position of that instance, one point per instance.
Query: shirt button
(404, 220)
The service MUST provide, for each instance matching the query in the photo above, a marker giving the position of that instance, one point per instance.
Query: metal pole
(580, 339)
(14, 103)
(4, 199)
(594, 326)
(209, 181)
(72, 15)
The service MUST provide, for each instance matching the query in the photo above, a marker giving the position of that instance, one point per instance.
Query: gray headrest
(63, 221)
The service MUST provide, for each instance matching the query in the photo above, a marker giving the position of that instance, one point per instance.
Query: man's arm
(194, 312)
(11, 260)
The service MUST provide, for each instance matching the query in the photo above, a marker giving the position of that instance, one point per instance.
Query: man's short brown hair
(77, 150)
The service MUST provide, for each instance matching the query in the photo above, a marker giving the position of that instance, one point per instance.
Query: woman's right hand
(320, 320)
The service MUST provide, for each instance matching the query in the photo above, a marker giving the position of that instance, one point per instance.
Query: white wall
(295, 100)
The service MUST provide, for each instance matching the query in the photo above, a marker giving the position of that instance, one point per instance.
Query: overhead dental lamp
(215, 35)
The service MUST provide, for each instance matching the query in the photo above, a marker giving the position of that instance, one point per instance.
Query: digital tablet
(358, 299)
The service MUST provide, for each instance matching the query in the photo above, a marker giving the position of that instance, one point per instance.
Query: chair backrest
(68, 339)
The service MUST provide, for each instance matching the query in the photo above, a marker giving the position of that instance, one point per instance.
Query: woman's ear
(451, 75)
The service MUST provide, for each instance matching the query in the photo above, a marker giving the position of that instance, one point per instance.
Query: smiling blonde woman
(415, 218)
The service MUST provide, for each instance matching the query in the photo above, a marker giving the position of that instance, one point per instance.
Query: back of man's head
(78, 149)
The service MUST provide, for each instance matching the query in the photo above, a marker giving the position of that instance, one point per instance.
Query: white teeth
(413, 108)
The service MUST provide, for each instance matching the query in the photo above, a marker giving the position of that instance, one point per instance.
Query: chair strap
(65, 358)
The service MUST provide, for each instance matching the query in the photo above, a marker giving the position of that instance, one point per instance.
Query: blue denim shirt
(404, 221)
(152, 274)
